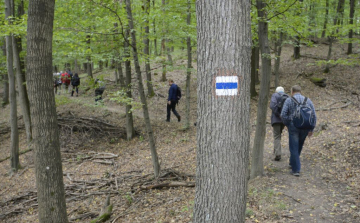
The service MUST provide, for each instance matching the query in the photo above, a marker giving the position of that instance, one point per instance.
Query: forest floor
(97, 164)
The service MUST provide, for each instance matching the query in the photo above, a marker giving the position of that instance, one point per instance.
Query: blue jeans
(296, 141)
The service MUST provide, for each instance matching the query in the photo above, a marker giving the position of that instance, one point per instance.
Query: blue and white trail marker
(227, 85)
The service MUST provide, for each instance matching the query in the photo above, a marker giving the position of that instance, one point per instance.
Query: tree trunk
(170, 61)
(21, 83)
(189, 66)
(351, 22)
(223, 131)
(88, 57)
(146, 41)
(154, 28)
(257, 166)
(46, 145)
(297, 41)
(14, 147)
(257, 60)
(5, 99)
(130, 132)
(253, 92)
(76, 68)
(327, 67)
(121, 74)
(326, 18)
(278, 47)
(154, 155)
(20, 78)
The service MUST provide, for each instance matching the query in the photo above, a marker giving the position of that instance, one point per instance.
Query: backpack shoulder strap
(305, 100)
(294, 100)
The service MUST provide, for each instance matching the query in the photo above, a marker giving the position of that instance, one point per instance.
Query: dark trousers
(296, 142)
(98, 94)
(171, 107)
(76, 88)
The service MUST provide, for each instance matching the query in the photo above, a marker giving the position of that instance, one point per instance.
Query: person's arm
(285, 113)
(315, 119)
(273, 102)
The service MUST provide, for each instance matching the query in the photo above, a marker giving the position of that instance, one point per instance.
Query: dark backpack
(304, 117)
(75, 81)
(280, 103)
(178, 93)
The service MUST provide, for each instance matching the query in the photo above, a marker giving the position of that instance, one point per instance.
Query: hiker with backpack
(173, 99)
(298, 115)
(65, 80)
(276, 105)
(75, 82)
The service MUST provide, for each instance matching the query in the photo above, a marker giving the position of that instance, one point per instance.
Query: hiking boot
(179, 118)
(290, 167)
(295, 174)
(278, 158)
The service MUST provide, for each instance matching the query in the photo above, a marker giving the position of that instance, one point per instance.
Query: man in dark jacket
(75, 82)
(172, 101)
(276, 121)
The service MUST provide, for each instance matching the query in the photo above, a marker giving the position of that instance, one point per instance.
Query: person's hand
(310, 134)
(169, 102)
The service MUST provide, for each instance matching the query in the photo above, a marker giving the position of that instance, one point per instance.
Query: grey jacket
(275, 119)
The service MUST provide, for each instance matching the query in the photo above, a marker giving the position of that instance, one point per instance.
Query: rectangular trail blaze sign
(227, 85)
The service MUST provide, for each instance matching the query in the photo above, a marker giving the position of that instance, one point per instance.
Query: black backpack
(280, 103)
(178, 93)
(304, 117)
(75, 81)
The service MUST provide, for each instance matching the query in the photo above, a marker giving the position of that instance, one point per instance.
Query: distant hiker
(298, 114)
(57, 83)
(99, 89)
(75, 82)
(65, 79)
(71, 76)
(276, 104)
(172, 101)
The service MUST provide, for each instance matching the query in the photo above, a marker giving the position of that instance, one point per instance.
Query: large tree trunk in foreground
(257, 166)
(189, 66)
(130, 132)
(154, 155)
(223, 115)
(147, 49)
(48, 167)
(14, 147)
(5, 99)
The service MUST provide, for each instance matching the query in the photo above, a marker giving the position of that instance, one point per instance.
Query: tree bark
(154, 155)
(257, 60)
(327, 67)
(224, 49)
(14, 147)
(351, 22)
(21, 83)
(297, 41)
(326, 18)
(253, 92)
(20, 78)
(257, 166)
(46, 145)
(88, 57)
(5, 99)
(189, 66)
(278, 47)
(120, 73)
(154, 28)
(130, 132)
(146, 41)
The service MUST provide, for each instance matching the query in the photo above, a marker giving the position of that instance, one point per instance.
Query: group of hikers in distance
(71, 83)
(68, 80)
(297, 113)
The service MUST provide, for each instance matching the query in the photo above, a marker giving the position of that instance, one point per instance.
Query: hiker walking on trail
(172, 100)
(99, 90)
(65, 80)
(75, 82)
(298, 114)
(276, 104)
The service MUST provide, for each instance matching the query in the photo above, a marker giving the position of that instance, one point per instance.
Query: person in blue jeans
(172, 101)
(296, 136)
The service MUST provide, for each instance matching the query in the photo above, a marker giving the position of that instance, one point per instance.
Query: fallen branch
(292, 198)
(166, 185)
(82, 216)
(333, 108)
